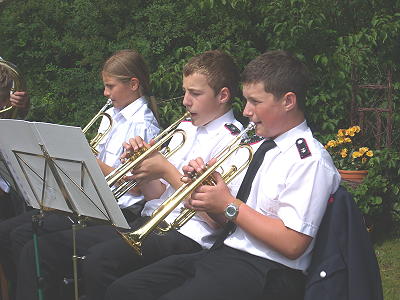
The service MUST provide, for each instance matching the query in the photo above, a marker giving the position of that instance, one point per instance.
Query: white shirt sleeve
(304, 200)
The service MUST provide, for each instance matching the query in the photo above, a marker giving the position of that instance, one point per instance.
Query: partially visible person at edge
(17, 99)
(10, 203)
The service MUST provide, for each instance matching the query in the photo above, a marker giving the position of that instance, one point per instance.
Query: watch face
(231, 211)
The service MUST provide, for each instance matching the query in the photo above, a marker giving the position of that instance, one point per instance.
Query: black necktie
(245, 187)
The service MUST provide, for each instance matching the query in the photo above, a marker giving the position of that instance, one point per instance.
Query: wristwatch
(232, 210)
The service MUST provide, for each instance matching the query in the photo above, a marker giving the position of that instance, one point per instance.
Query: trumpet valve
(208, 181)
(135, 154)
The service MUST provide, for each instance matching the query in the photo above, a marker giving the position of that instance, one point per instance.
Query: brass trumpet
(9, 111)
(100, 135)
(135, 238)
(141, 155)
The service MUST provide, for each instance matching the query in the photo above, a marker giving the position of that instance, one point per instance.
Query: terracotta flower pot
(356, 176)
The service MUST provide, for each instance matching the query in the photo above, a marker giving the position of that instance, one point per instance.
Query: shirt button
(322, 274)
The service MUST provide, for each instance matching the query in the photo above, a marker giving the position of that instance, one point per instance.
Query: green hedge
(61, 44)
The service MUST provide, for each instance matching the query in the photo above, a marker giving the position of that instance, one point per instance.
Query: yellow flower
(346, 152)
(331, 144)
(341, 132)
(340, 140)
(350, 132)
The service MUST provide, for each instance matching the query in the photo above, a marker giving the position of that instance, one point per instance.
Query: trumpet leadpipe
(99, 113)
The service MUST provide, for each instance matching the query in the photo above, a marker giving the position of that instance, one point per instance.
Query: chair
(344, 264)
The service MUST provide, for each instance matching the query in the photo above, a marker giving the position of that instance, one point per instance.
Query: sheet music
(55, 168)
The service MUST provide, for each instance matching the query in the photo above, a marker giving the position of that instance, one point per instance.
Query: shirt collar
(287, 139)
(130, 109)
(216, 124)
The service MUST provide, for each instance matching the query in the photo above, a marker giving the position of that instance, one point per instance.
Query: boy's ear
(290, 101)
(225, 95)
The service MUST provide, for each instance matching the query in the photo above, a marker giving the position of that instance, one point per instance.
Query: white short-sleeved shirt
(292, 187)
(136, 119)
(205, 142)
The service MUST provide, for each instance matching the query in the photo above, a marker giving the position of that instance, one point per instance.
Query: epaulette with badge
(232, 128)
(302, 147)
(252, 140)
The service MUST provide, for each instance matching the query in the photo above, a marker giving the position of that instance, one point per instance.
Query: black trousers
(222, 273)
(11, 205)
(110, 260)
(17, 231)
(56, 252)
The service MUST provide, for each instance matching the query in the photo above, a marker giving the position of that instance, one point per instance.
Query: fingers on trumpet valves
(136, 143)
(127, 152)
(188, 174)
(197, 165)
(185, 179)
(193, 169)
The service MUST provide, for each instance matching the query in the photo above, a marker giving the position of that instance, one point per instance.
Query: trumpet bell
(132, 239)
(99, 136)
(18, 85)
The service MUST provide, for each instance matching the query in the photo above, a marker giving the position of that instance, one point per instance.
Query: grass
(387, 250)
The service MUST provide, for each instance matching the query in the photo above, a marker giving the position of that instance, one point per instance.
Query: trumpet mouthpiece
(251, 125)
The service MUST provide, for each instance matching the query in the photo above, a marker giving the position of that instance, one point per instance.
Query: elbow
(292, 255)
(295, 251)
(298, 245)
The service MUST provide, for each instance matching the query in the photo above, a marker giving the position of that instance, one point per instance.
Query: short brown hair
(219, 68)
(281, 72)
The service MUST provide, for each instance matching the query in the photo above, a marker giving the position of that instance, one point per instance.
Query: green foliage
(379, 193)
